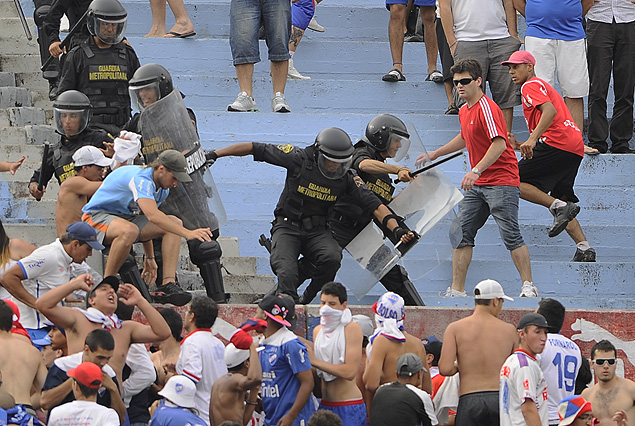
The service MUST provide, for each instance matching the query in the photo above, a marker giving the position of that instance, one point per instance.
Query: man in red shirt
(492, 186)
(551, 155)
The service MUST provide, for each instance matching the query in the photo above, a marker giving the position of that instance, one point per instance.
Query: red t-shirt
(480, 124)
(563, 133)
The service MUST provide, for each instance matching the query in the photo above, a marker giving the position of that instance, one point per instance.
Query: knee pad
(206, 255)
(201, 252)
(129, 273)
(40, 13)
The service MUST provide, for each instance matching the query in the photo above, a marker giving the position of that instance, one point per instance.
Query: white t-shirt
(83, 413)
(560, 362)
(4, 294)
(46, 268)
(521, 378)
(479, 20)
(202, 360)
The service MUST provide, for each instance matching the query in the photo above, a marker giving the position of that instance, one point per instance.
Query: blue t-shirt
(554, 19)
(122, 188)
(282, 356)
(175, 416)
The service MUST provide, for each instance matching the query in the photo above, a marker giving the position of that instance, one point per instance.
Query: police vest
(106, 82)
(64, 149)
(307, 192)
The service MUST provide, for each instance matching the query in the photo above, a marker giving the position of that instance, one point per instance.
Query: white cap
(490, 289)
(179, 390)
(89, 155)
(235, 356)
(365, 323)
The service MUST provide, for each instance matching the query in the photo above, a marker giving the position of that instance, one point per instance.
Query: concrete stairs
(346, 64)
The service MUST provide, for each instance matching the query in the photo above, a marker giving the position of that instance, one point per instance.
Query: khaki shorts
(100, 220)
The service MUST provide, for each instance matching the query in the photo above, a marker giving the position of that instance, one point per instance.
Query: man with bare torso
(613, 397)
(228, 402)
(101, 303)
(476, 347)
(389, 342)
(21, 364)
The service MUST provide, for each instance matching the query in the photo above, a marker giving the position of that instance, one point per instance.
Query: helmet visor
(110, 31)
(144, 95)
(334, 168)
(70, 122)
(398, 147)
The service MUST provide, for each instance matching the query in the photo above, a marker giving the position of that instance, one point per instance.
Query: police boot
(129, 273)
(396, 280)
(309, 293)
(206, 256)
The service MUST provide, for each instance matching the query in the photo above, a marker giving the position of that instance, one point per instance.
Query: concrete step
(7, 9)
(12, 29)
(32, 80)
(7, 79)
(14, 97)
(22, 116)
(20, 62)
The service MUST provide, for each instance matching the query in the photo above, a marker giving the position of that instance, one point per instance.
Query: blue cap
(44, 341)
(82, 231)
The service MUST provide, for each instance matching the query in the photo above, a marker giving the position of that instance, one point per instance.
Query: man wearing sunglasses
(613, 397)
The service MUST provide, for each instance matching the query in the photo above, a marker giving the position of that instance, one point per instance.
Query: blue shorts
(416, 3)
(499, 201)
(244, 22)
(301, 13)
(352, 413)
(22, 415)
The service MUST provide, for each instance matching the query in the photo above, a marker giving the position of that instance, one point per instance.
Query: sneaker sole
(283, 109)
(556, 230)
(230, 109)
(177, 299)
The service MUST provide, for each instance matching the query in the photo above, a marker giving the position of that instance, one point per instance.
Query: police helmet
(149, 83)
(71, 113)
(387, 133)
(334, 152)
(107, 20)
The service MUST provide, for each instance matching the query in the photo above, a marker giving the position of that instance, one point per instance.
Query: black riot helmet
(149, 83)
(71, 113)
(387, 133)
(107, 20)
(334, 152)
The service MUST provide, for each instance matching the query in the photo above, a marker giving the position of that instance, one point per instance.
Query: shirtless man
(336, 356)
(21, 364)
(101, 303)
(389, 342)
(613, 397)
(74, 192)
(244, 376)
(476, 347)
(165, 358)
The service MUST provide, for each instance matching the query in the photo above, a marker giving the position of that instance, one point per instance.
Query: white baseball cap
(490, 289)
(89, 155)
(179, 390)
(235, 356)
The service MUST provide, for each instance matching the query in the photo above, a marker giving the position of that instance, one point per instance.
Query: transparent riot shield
(166, 125)
(424, 204)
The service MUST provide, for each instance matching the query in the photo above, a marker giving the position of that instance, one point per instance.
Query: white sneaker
(313, 25)
(294, 73)
(279, 103)
(529, 290)
(450, 292)
(243, 103)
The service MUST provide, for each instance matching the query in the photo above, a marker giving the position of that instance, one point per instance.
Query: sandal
(393, 76)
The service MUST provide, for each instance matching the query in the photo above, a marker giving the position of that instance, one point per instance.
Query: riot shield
(423, 204)
(166, 124)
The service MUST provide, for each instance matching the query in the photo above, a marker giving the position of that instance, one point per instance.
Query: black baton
(25, 25)
(45, 154)
(430, 166)
(67, 40)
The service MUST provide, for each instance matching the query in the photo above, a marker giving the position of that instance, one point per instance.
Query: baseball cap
(111, 280)
(571, 407)
(89, 155)
(532, 318)
(175, 162)
(88, 374)
(279, 308)
(235, 356)
(390, 305)
(179, 390)
(84, 232)
(50, 325)
(409, 364)
(490, 289)
(433, 346)
(520, 57)
(365, 323)
(44, 341)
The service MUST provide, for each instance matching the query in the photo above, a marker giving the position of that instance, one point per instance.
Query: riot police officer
(101, 66)
(72, 116)
(317, 177)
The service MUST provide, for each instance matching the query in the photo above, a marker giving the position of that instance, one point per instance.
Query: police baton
(45, 154)
(25, 25)
(432, 165)
(67, 40)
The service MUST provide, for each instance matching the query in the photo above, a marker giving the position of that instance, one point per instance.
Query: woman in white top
(11, 250)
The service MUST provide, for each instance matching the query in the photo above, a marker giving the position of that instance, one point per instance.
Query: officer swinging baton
(430, 166)
(45, 154)
(25, 25)
(67, 40)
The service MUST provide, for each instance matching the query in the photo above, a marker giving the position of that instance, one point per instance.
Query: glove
(254, 324)
(241, 339)
(210, 157)
(399, 232)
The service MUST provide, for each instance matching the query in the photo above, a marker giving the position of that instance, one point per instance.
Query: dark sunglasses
(463, 81)
(601, 361)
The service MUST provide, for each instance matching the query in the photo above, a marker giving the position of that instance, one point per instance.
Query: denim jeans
(245, 17)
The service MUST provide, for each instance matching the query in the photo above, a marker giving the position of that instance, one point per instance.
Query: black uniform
(301, 216)
(74, 10)
(399, 404)
(103, 75)
(350, 219)
(60, 158)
